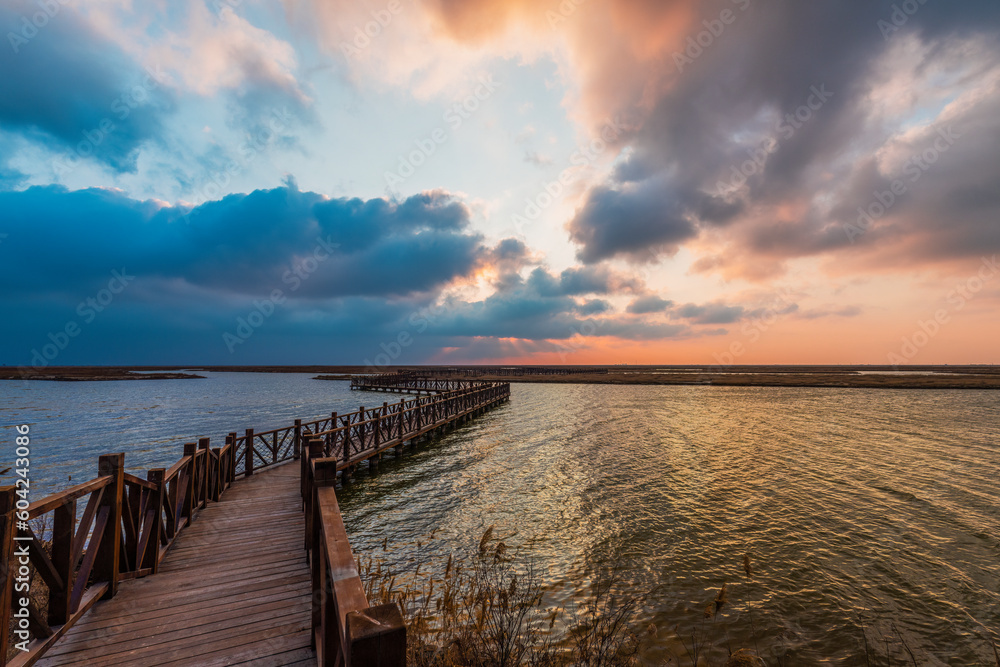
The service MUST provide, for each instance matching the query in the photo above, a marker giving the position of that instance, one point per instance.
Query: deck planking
(235, 589)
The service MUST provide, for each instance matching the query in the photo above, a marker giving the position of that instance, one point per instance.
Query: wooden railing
(407, 383)
(352, 437)
(346, 630)
(127, 524)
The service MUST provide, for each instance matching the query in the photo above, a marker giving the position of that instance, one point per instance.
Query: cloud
(850, 94)
(578, 281)
(710, 313)
(71, 90)
(761, 148)
(244, 244)
(327, 274)
(637, 223)
(648, 304)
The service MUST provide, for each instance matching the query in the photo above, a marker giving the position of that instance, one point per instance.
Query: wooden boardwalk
(234, 589)
(212, 561)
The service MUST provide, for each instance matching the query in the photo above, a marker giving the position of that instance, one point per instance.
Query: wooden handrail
(346, 629)
(49, 503)
(132, 479)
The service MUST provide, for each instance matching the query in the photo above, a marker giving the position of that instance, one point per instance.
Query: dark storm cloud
(638, 224)
(70, 89)
(785, 92)
(241, 244)
(330, 279)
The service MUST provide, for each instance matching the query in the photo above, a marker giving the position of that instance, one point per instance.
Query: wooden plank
(223, 650)
(167, 638)
(151, 627)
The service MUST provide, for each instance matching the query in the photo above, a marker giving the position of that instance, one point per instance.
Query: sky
(499, 181)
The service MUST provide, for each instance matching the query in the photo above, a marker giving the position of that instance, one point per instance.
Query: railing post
(225, 463)
(203, 445)
(303, 459)
(156, 476)
(376, 637)
(106, 564)
(248, 454)
(377, 437)
(190, 503)
(314, 451)
(7, 566)
(347, 441)
(332, 438)
(217, 472)
(63, 529)
(297, 441)
(232, 458)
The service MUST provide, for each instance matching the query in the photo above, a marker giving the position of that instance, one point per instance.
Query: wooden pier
(214, 560)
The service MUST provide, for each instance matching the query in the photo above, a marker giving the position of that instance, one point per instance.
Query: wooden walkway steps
(195, 611)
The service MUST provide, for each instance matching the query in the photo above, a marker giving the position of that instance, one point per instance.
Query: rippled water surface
(878, 503)
(854, 503)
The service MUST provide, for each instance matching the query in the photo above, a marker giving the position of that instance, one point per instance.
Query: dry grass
(487, 610)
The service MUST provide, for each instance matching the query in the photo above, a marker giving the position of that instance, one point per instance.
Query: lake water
(856, 505)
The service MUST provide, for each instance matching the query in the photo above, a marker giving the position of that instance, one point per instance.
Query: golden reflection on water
(873, 502)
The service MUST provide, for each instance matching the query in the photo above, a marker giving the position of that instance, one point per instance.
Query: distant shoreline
(859, 377)
(90, 374)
